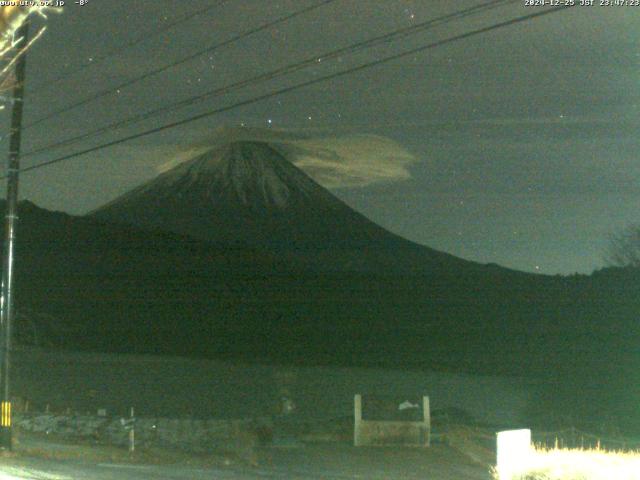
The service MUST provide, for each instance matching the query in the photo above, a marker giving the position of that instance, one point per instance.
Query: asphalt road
(329, 462)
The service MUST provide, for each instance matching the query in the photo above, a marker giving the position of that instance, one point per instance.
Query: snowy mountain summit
(241, 192)
(249, 174)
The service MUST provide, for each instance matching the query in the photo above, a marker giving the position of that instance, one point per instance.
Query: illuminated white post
(513, 452)
(132, 432)
(357, 416)
(426, 411)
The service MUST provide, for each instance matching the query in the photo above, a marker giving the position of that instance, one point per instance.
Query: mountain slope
(120, 288)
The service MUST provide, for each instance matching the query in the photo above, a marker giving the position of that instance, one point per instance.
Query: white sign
(514, 452)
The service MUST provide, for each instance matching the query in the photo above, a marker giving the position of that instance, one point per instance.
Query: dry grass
(577, 464)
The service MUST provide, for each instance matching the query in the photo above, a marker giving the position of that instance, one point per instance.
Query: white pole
(426, 411)
(132, 434)
(357, 414)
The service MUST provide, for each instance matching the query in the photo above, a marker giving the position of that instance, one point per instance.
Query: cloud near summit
(332, 161)
(352, 161)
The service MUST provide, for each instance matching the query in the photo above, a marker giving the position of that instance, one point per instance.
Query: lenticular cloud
(333, 161)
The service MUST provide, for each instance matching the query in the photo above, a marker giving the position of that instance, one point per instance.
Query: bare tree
(624, 248)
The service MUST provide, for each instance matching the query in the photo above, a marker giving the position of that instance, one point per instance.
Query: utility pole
(6, 299)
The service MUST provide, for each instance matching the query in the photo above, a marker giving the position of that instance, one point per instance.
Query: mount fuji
(247, 194)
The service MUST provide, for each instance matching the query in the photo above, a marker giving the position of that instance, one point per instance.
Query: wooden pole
(11, 217)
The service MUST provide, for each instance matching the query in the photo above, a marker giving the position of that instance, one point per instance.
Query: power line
(151, 73)
(122, 48)
(299, 86)
(279, 72)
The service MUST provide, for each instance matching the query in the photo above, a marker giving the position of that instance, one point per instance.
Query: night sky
(518, 146)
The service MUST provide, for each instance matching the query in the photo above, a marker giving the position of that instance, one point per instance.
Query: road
(329, 462)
